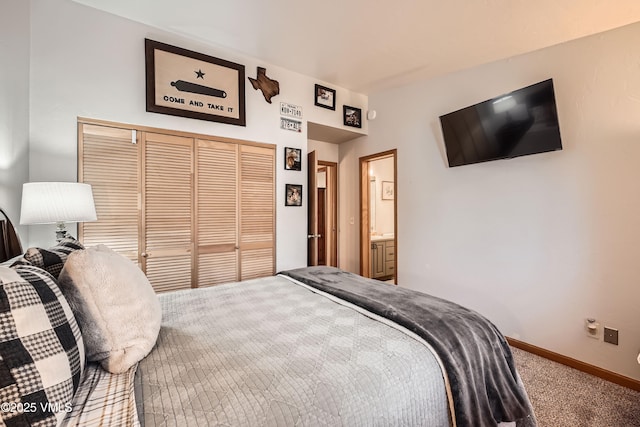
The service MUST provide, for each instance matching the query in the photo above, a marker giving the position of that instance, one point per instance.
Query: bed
(311, 346)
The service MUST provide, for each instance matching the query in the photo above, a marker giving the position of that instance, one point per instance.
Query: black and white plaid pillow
(42, 353)
(53, 259)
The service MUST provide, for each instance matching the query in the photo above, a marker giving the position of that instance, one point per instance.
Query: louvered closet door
(217, 219)
(257, 211)
(108, 160)
(167, 211)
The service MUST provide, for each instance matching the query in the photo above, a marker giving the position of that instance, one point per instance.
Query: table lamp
(57, 203)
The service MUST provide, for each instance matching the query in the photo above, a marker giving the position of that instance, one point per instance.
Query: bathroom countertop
(381, 237)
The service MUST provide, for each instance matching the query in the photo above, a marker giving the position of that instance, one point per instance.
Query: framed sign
(184, 83)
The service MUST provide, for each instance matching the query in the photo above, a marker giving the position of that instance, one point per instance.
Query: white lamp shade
(56, 202)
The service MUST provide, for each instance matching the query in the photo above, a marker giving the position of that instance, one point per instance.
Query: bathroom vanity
(383, 257)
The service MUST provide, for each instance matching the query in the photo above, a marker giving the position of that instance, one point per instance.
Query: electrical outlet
(611, 335)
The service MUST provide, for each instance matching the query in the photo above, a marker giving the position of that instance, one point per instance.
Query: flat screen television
(519, 123)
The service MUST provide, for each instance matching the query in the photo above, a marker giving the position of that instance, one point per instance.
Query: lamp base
(61, 231)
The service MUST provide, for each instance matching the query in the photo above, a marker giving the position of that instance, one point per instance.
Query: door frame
(365, 196)
(312, 208)
(332, 208)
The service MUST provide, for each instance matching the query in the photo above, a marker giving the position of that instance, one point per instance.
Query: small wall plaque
(268, 86)
(290, 110)
(289, 124)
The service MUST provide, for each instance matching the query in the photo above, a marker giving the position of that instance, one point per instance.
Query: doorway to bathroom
(378, 210)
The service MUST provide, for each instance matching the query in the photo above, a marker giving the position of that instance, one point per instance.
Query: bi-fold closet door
(167, 232)
(190, 210)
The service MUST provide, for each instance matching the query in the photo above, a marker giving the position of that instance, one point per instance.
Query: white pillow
(116, 307)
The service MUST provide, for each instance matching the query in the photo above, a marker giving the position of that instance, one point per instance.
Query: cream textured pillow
(117, 309)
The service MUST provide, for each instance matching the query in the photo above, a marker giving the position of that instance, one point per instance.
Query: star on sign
(199, 74)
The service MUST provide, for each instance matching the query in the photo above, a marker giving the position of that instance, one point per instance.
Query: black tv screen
(519, 123)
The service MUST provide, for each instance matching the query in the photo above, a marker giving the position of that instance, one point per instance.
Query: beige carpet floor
(565, 397)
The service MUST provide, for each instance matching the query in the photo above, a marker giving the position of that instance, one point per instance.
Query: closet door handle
(144, 255)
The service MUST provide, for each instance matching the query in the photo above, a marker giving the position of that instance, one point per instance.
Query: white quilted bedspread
(269, 352)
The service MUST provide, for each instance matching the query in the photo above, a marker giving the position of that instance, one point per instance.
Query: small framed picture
(387, 190)
(294, 195)
(352, 116)
(325, 97)
(292, 158)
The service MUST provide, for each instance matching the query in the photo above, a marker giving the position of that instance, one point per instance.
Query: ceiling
(368, 45)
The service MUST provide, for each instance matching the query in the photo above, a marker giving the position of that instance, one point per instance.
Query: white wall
(14, 107)
(88, 63)
(382, 170)
(325, 151)
(536, 243)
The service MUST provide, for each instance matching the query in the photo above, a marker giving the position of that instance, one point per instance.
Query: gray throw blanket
(477, 359)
